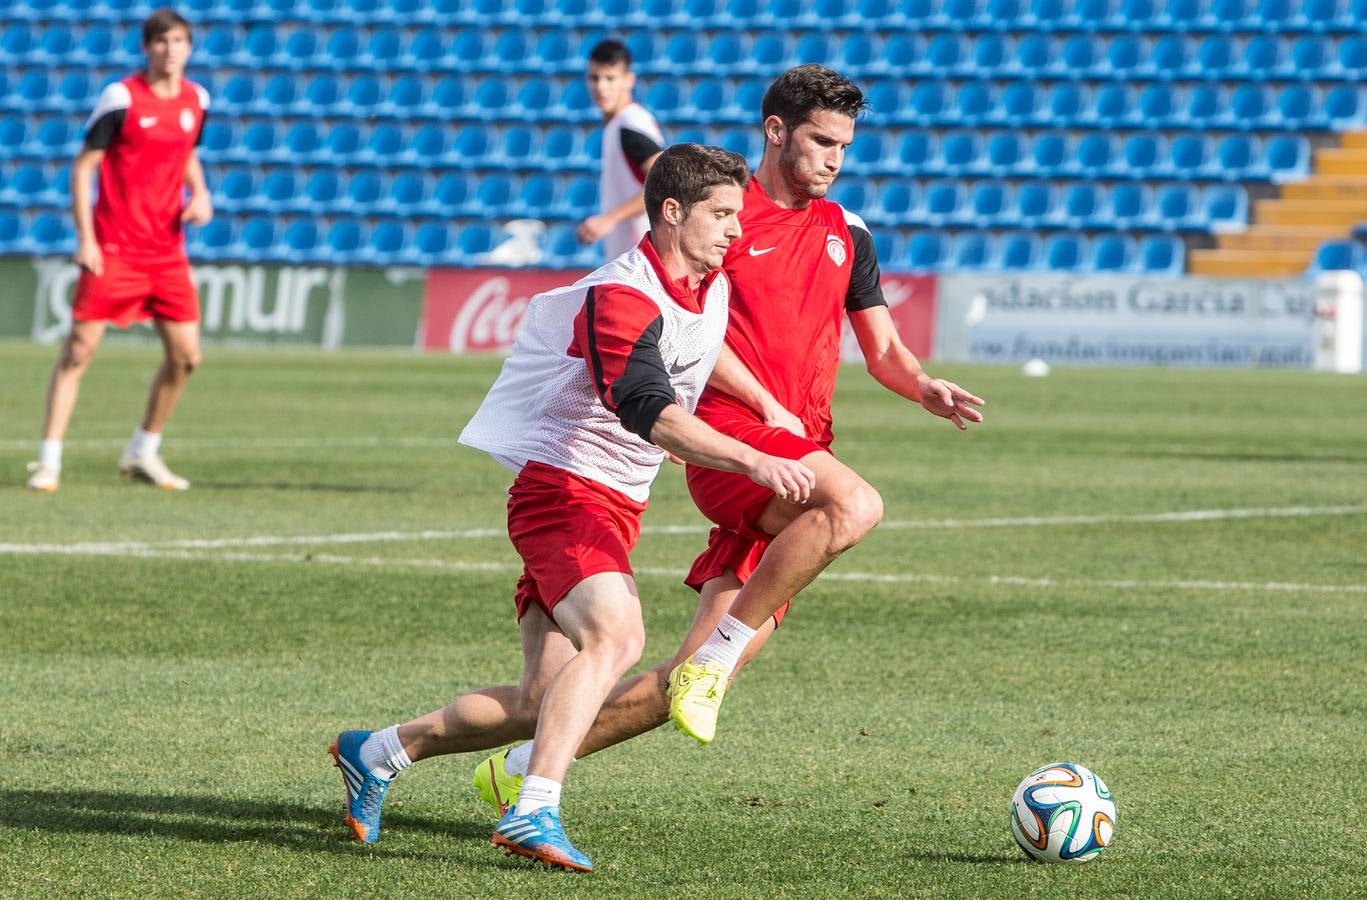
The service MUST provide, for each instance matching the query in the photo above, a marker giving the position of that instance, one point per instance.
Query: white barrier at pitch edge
(1128, 320)
(1338, 322)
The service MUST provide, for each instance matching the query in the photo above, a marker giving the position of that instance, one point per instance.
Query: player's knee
(76, 354)
(629, 647)
(855, 515)
(183, 362)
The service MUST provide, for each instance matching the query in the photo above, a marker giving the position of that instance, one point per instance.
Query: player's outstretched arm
(679, 432)
(733, 377)
(897, 369)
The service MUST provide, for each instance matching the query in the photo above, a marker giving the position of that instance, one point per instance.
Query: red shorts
(134, 290)
(735, 503)
(567, 527)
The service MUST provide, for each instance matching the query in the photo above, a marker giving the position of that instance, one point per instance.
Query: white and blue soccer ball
(1063, 812)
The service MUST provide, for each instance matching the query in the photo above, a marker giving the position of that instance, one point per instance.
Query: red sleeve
(617, 334)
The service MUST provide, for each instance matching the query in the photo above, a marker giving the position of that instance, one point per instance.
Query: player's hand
(592, 229)
(89, 257)
(789, 479)
(779, 417)
(199, 210)
(949, 401)
(675, 459)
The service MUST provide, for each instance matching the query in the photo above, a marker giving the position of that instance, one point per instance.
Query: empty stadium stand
(1211, 136)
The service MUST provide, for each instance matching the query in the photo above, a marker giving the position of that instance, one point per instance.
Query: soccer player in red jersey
(131, 250)
(801, 264)
(600, 382)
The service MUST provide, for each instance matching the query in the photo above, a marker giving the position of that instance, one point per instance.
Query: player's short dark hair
(162, 21)
(688, 173)
(805, 89)
(610, 52)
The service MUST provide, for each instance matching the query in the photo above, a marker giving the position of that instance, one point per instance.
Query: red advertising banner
(480, 310)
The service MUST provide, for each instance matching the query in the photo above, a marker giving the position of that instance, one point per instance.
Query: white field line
(1199, 515)
(867, 577)
(285, 443)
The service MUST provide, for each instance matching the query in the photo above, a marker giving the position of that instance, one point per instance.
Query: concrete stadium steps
(1287, 229)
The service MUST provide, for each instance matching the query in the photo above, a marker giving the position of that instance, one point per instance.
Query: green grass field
(174, 665)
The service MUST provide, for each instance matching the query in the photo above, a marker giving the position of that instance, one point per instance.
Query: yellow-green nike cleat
(695, 694)
(496, 787)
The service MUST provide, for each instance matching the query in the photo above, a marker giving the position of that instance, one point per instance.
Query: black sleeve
(866, 285)
(105, 129)
(203, 120)
(627, 368)
(643, 390)
(638, 147)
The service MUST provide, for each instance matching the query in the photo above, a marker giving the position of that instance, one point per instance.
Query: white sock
(383, 754)
(143, 444)
(518, 759)
(50, 454)
(725, 644)
(536, 793)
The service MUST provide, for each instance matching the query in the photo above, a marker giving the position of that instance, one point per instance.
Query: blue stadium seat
(1050, 152)
(453, 193)
(1352, 57)
(1035, 53)
(427, 51)
(581, 195)
(683, 51)
(858, 53)
(56, 138)
(432, 241)
(927, 250)
(259, 141)
(386, 142)
(887, 101)
(213, 240)
(1083, 202)
(975, 102)
(1157, 105)
(301, 240)
(960, 151)
(1251, 106)
(473, 144)
(364, 190)
(237, 95)
(26, 185)
(300, 50)
(1082, 56)
(972, 250)
(53, 233)
(343, 49)
(903, 52)
(929, 103)
(258, 47)
(1112, 253)
(1168, 58)
(1125, 55)
(427, 147)
(540, 194)
(475, 238)
(1129, 205)
(1335, 255)
(1190, 156)
(1161, 254)
(1006, 152)
(302, 142)
(17, 40)
(771, 51)
(944, 52)
(342, 146)
(1066, 103)
(386, 244)
(1114, 105)
(726, 53)
(1020, 103)
(563, 247)
(1019, 250)
(448, 95)
(1094, 155)
(495, 192)
(918, 152)
(280, 189)
(1313, 57)
(1224, 207)
(1343, 108)
(236, 190)
(518, 147)
(409, 191)
(470, 49)
(322, 189)
(896, 200)
(1035, 203)
(258, 238)
(1286, 157)
(1177, 207)
(1065, 252)
(990, 202)
(405, 97)
(1142, 153)
(363, 95)
(33, 89)
(1215, 55)
(97, 46)
(745, 141)
(1237, 155)
(553, 52)
(945, 200)
(323, 93)
(382, 50)
(852, 192)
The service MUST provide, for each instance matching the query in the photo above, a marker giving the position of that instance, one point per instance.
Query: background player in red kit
(801, 264)
(141, 138)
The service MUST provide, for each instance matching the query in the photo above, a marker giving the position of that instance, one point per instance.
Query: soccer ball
(1063, 812)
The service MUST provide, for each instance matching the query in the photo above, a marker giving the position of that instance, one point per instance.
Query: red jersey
(794, 273)
(147, 141)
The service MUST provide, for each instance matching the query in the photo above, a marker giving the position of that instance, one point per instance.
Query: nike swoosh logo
(755, 251)
(724, 635)
(679, 368)
(147, 121)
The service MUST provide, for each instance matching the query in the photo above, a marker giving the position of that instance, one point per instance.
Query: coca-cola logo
(488, 318)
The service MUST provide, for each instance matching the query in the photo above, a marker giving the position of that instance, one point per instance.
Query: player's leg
(62, 391)
(601, 616)
(175, 306)
(807, 539)
(478, 720)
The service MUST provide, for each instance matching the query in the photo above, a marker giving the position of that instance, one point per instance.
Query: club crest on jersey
(187, 120)
(835, 249)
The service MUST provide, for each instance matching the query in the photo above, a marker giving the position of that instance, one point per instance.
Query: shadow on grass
(977, 859)
(302, 486)
(215, 820)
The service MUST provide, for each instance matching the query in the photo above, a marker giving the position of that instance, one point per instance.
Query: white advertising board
(1125, 320)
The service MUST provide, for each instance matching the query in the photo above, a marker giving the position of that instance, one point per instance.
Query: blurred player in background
(802, 264)
(632, 141)
(131, 250)
(603, 374)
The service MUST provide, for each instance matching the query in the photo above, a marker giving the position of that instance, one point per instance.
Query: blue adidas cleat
(364, 790)
(539, 836)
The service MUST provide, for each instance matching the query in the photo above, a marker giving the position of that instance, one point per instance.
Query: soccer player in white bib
(601, 383)
(632, 141)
